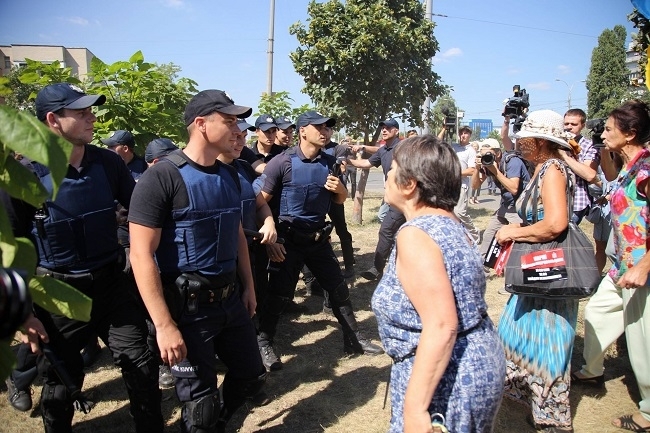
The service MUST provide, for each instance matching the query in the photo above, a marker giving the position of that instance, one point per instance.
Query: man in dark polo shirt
(76, 237)
(394, 218)
(302, 178)
(123, 143)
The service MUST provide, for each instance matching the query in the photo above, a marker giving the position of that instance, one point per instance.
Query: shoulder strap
(176, 159)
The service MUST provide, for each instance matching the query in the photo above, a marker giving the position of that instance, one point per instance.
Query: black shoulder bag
(564, 268)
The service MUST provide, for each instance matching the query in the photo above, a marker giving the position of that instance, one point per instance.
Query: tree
(496, 134)
(279, 104)
(365, 60)
(607, 82)
(144, 98)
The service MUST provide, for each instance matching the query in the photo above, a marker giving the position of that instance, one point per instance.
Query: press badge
(544, 266)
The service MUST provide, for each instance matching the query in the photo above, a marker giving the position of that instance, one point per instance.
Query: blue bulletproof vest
(305, 201)
(203, 236)
(77, 232)
(248, 198)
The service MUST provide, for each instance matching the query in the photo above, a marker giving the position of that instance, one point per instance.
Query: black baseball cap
(265, 122)
(119, 137)
(314, 118)
(244, 125)
(54, 97)
(284, 122)
(158, 148)
(391, 123)
(210, 101)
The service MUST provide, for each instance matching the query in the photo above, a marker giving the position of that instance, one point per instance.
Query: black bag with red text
(564, 268)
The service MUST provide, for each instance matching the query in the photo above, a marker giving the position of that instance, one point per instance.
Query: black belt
(213, 295)
(458, 335)
(95, 275)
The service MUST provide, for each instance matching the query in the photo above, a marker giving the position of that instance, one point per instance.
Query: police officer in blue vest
(186, 210)
(76, 237)
(303, 178)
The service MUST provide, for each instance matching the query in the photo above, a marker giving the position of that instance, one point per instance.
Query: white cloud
(176, 4)
(563, 69)
(78, 21)
(451, 52)
(542, 85)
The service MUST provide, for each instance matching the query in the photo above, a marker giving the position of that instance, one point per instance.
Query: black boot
(353, 339)
(270, 360)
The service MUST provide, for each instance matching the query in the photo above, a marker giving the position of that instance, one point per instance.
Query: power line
(517, 26)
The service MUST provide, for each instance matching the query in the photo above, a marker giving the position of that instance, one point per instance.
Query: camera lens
(487, 159)
(15, 302)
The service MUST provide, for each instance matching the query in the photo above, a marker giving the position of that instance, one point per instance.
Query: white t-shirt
(467, 156)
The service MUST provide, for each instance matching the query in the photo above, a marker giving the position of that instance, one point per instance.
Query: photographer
(584, 164)
(510, 175)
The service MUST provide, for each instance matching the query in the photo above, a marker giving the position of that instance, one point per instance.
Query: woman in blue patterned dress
(448, 362)
(538, 333)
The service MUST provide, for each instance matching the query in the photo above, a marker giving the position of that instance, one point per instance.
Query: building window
(7, 62)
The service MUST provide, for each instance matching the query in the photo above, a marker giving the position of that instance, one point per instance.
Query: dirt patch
(320, 389)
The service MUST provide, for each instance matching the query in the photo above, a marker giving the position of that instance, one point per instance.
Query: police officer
(301, 177)
(286, 129)
(76, 236)
(122, 142)
(186, 210)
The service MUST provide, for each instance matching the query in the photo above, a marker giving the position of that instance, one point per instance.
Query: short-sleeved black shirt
(278, 173)
(384, 156)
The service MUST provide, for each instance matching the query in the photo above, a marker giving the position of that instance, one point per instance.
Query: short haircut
(434, 166)
(577, 112)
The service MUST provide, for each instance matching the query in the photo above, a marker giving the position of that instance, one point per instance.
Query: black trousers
(389, 226)
(120, 323)
(283, 277)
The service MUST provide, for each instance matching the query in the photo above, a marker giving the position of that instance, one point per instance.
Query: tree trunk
(357, 212)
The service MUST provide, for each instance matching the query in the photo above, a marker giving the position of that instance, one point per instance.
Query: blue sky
(486, 46)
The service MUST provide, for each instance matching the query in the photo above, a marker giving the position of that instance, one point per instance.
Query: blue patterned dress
(470, 391)
(538, 335)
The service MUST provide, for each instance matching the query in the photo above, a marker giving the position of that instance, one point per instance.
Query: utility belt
(300, 237)
(98, 274)
(195, 289)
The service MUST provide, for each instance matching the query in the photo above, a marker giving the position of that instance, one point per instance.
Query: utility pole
(269, 52)
(426, 107)
(570, 88)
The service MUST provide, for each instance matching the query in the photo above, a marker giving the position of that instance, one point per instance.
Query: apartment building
(76, 58)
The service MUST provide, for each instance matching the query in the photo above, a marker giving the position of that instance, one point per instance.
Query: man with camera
(584, 165)
(510, 175)
(467, 156)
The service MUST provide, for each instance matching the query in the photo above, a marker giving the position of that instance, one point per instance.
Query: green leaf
(136, 57)
(23, 257)
(7, 359)
(8, 245)
(25, 134)
(21, 183)
(60, 298)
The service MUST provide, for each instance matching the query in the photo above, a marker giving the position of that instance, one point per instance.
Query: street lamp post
(570, 88)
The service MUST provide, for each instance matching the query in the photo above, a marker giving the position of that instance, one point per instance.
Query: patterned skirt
(538, 335)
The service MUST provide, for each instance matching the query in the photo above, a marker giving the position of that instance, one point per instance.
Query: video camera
(596, 127)
(517, 107)
(450, 119)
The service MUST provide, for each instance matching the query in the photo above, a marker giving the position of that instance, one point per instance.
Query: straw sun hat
(546, 124)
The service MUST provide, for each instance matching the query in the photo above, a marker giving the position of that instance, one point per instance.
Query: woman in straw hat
(538, 333)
